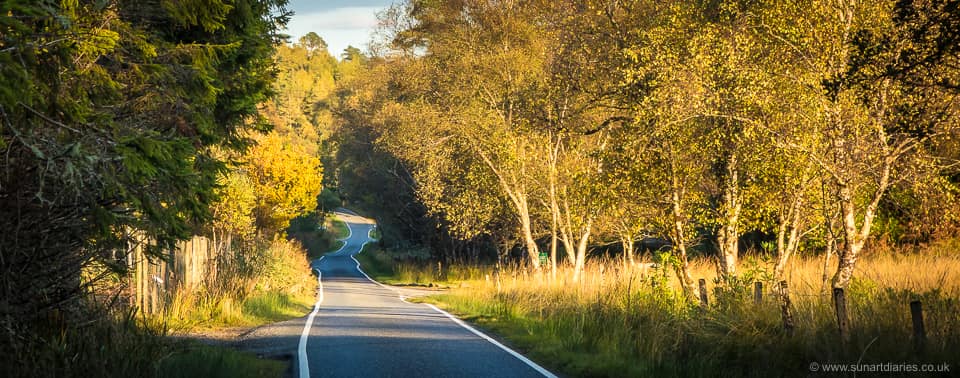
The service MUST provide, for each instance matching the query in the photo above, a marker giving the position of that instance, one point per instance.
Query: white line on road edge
(522, 358)
(349, 233)
(302, 348)
(519, 356)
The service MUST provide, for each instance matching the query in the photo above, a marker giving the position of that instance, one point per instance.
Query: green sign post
(543, 258)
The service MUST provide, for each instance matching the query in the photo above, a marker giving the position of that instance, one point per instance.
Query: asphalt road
(363, 329)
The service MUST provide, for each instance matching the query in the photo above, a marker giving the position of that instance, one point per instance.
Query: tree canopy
(568, 124)
(113, 113)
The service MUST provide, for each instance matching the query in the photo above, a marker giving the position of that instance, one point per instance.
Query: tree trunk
(527, 232)
(788, 236)
(856, 237)
(518, 197)
(582, 251)
(576, 253)
(626, 243)
(554, 207)
(553, 250)
(831, 247)
(566, 238)
(728, 236)
(566, 234)
(690, 289)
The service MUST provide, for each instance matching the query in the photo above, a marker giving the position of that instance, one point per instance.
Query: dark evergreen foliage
(111, 115)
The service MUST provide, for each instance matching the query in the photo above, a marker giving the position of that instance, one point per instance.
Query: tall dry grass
(625, 320)
(279, 287)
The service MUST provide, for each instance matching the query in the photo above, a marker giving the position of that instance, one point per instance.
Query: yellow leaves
(285, 177)
(233, 211)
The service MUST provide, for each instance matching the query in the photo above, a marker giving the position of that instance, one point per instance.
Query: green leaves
(209, 15)
(110, 116)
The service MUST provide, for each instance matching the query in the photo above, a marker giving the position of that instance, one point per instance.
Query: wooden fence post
(138, 276)
(703, 293)
(758, 292)
(785, 308)
(152, 286)
(843, 322)
(919, 333)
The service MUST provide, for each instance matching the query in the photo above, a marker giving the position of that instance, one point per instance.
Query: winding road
(360, 328)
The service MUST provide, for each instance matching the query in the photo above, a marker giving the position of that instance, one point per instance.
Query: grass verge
(410, 268)
(376, 263)
(284, 290)
(319, 242)
(119, 345)
(629, 321)
(199, 360)
(336, 228)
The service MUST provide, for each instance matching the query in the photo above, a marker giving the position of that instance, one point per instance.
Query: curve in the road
(352, 220)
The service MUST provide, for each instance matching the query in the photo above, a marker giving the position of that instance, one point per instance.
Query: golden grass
(632, 320)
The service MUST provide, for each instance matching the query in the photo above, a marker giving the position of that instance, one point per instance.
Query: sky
(339, 22)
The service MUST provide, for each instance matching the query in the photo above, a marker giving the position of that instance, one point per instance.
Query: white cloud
(340, 18)
(338, 27)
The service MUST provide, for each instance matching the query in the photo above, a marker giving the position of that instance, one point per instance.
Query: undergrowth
(118, 345)
(284, 289)
(102, 340)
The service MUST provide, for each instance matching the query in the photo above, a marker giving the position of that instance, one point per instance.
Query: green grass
(315, 243)
(257, 309)
(318, 243)
(273, 306)
(97, 341)
(111, 345)
(336, 228)
(198, 360)
(376, 263)
(283, 290)
(626, 324)
(411, 268)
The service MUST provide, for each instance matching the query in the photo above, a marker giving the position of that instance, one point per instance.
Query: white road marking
(533, 365)
(519, 356)
(349, 235)
(302, 347)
